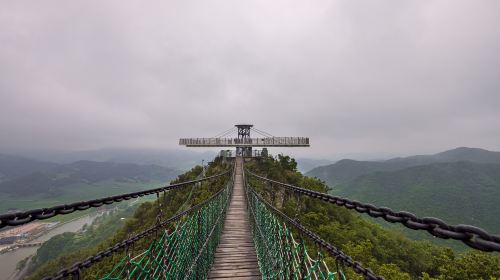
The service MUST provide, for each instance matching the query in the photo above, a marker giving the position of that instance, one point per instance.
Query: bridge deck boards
(235, 257)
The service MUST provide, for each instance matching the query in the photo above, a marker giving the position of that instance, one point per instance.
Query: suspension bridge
(235, 256)
(237, 233)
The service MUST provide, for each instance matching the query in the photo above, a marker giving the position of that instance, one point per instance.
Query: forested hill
(460, 192)
(388, 253)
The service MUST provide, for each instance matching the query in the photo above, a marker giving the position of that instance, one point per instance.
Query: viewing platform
(246, 142)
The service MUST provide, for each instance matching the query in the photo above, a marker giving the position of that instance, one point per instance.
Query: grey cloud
(357, 77)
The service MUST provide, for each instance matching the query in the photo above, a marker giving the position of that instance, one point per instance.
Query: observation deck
(246, 142)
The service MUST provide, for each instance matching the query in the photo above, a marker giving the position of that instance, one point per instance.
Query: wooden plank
(234, 272)
(235, 257)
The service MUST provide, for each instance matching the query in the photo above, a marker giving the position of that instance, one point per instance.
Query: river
(9, 260)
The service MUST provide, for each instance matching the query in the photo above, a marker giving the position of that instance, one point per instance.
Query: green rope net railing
(183, 251)
(280, 255)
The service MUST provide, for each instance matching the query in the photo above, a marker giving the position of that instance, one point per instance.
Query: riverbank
(9, 260)
(50, 226)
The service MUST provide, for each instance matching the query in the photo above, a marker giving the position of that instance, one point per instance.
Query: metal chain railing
(199, 220)
(184, 252)
(281, 256)
(20, 218)
(472, 236)
(202, 262)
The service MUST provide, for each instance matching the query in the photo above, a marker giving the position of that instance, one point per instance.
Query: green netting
(280, 255)
(184, 251)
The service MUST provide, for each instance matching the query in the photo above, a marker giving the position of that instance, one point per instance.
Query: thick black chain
(20, 218)
(76, 268)
(474, 237)
(332, 250)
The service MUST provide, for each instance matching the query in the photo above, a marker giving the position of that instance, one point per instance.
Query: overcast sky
(357, 77)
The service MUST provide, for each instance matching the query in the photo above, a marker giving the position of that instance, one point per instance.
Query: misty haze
(250, 140)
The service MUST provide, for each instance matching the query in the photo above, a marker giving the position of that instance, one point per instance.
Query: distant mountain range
(14, 166)
(23, 176)
(172, 158)
(347, 169)
(306, 164)
(460, 185)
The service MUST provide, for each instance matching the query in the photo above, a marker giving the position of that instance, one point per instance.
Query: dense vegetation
(143, 218)
(387, 253)
(471, 191)
(101, 229)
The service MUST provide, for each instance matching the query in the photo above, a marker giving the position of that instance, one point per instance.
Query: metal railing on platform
(254, 142)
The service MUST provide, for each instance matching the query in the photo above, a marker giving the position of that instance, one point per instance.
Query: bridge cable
(472, 236)
(20, 218)
(263, 133)
(225, 133)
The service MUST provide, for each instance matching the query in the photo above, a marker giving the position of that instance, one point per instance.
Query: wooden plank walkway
(235, 257)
